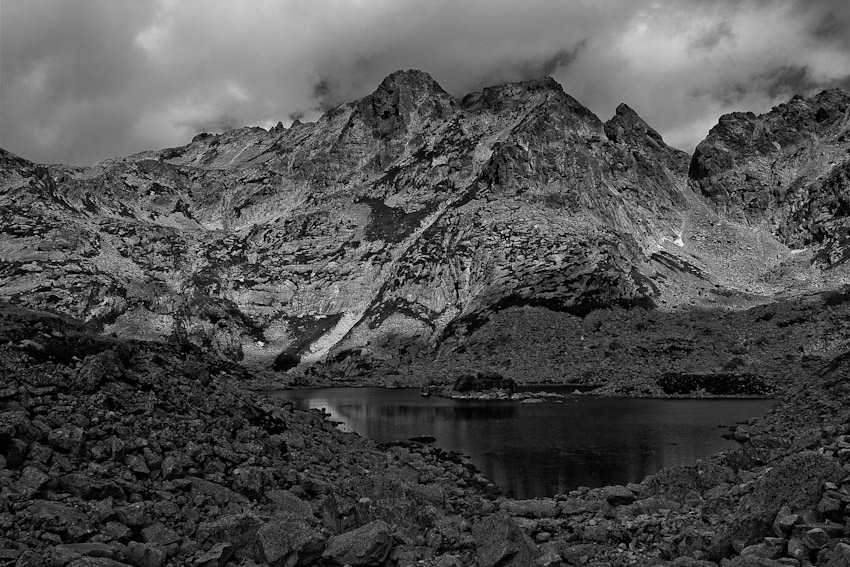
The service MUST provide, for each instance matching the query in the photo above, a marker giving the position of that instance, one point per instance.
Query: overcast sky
(85, 80)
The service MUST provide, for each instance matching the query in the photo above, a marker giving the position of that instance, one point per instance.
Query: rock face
(390, 224)
(482, 382)
(788, 169)
(397, 228)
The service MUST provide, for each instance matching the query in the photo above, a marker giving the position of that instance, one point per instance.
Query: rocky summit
(414, 238)
(388, 234)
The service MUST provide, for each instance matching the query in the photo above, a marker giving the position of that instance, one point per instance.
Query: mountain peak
(497, 98)
(400, 96)
(410, 79)
(626, 124)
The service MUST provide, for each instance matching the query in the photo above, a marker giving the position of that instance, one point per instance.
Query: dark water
(548, 448)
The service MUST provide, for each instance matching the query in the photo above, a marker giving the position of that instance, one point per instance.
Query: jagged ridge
(391, 225)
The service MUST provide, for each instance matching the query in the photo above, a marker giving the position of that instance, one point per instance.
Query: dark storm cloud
(788, 79)
(829, 20)
(327, 95)
(86, 80)
(533, 68)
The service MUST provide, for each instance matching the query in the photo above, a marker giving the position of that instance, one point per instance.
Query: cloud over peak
(86, 80)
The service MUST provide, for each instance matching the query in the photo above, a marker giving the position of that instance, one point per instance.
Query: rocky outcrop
(786, 169)
(411, 232)
(483, 381)
(390, 225)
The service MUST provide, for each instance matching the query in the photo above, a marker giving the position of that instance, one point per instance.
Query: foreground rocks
(149, 455)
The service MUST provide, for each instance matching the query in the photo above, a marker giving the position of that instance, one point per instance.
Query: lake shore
(148, 454)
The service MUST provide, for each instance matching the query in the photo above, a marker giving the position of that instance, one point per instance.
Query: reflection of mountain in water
(424, 413)
(549, 448)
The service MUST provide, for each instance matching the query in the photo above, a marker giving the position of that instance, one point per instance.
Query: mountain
(786, 170)
(411, 232)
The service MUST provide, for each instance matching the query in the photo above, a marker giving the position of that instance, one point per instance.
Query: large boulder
(288, 541)
(239, 530)
(367, 545)
(500, 541)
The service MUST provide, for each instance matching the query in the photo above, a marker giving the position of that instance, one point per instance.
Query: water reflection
(549, 448)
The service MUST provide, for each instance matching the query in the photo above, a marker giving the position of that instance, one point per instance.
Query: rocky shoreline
(118, 453)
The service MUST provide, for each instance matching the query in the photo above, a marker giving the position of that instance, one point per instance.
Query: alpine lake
(549, 447)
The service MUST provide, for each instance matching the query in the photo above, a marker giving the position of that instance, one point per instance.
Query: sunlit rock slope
(398, 226)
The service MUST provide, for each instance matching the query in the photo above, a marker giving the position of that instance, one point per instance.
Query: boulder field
(117, 453)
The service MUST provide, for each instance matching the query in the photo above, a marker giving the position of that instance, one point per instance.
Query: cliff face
(401, 213)
(787, 169)
(392, 226)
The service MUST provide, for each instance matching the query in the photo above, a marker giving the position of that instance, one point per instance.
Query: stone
(137, 464)
(572, 507)
(118, 531)
(16, 452)
(16, 425)
(830, 508)
(754, 561)
(839, 556)
(33, 478)
(143, 555)
(250, 481)
(285, 501)
(171, 467)
(88, 488)
(134, 515)
(217, 556)
(618, 495)
(369, 544)
(220, 493)
(65, 553)
(500, 541)
(239, 530)
(67, 440)
(158, 534)
(536, 508)
(74, 522)
(166, 509)
(39, 453)
(771, 548)
(691, 562)
(599, 533)
(784, 521)
(549, 559)
(832, 529)
(97, 562)
(448, 560)
(289, 541)
(815, 538)
(797, 550)
(103, 366)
